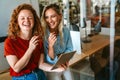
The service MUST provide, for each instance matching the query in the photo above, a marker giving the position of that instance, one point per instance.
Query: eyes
(28, 18)
(52, 16)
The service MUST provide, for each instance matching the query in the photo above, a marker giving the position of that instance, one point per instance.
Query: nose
(26, 19)
(50, 20)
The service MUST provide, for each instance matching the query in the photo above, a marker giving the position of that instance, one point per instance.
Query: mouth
(51, 24)
(26, 25)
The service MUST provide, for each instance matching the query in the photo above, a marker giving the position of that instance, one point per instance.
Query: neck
(26, 36)
(54, 30)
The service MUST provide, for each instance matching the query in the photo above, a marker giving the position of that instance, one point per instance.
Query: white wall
(6, 8)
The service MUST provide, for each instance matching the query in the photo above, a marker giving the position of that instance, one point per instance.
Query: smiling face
(52, 19)
(25, 20)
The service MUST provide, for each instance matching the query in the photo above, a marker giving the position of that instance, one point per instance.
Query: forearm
(20, 64)
(51, 52)
(47, 67)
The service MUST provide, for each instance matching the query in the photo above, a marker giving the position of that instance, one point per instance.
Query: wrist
(50, 47)
(30, 50)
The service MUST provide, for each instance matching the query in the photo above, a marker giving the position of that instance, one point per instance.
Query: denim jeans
(34, 75)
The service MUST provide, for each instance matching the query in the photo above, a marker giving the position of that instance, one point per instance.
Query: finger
(52, 35)
(53, 38)
(36, 42)
(64, 66)
(34, 38)
(67, 64)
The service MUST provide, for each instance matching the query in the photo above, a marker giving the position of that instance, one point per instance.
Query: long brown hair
(14, 29)
(58, 10)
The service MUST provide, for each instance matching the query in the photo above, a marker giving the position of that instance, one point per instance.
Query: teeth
(26, 25)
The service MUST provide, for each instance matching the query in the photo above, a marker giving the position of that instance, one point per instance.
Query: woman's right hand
(34, 42)
(52, 39)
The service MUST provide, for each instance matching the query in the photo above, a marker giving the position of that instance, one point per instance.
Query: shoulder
(9, 41)
(8, 46)
(66, 29)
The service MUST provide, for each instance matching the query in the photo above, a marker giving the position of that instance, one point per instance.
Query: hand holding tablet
(63, 58)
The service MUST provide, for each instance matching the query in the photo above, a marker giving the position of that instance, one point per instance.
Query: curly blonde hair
(14, 29)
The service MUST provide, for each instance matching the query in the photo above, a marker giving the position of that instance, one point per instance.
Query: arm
(18, 65)
(47, 57)
(47, 67)
(51, 41)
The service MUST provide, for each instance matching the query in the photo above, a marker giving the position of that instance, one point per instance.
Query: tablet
(63, 58)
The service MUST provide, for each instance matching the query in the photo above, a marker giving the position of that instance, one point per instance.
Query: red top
(18, 48)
